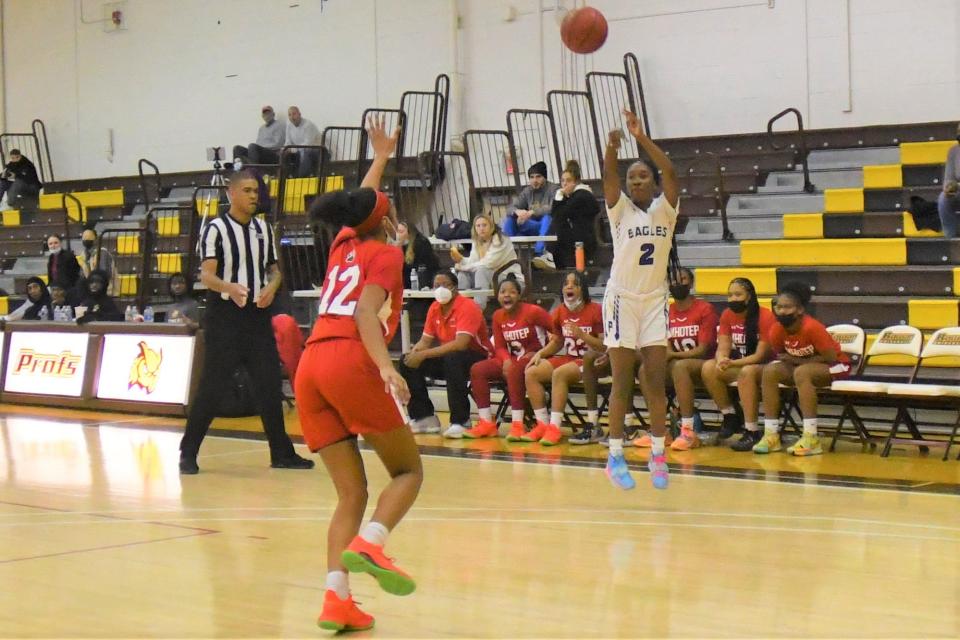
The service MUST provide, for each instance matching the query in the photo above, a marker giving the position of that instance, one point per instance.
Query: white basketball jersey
(641, 245)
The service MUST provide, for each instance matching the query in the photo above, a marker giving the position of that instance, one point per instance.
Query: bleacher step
(787, 181)
(852, 158)
(742, 227)
(775, 202)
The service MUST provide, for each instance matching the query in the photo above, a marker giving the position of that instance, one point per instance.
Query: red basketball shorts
(340, 394)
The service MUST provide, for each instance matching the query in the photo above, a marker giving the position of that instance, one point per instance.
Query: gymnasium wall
(186, 74)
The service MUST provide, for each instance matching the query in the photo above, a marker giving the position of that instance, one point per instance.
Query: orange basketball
(584, 30)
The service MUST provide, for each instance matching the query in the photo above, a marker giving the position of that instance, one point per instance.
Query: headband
(380, 210)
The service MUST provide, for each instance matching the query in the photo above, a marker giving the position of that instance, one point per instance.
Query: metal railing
(147, 201)
(610, 93)
(576, 130)
(33, 145)
(117, 280)
(719, 191)
(631, 69)
(81, 214)
(294, 193)
(533, 137)
(807, 185)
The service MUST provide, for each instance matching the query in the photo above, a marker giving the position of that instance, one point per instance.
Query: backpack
(456, 229)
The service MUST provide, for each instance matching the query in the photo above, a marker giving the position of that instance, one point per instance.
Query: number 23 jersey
(353, 264)
(641, 245)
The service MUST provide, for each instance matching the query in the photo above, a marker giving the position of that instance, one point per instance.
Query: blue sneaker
(619, 473)
(659, 471)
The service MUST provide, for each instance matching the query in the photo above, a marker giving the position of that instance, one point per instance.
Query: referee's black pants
(455, 369)
(234, 336)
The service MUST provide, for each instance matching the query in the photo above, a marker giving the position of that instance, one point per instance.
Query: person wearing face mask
(417, 253)
(456, 322)
(90, 259)
(347, 386)
(519, 331)
(807, 357)
(62, 265)
(948, 202)
(574, 210)
(743, 347)
(100, 306)
(693, 339)
(37, 306)
(492, 254)
(577, 327)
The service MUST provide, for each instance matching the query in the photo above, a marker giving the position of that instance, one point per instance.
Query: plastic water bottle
(57, 314)
(148, 314)
(44, 314)
(68, 314)
(414, 280)
(129, 314)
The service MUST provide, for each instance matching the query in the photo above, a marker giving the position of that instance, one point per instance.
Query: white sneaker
(454, 431)
(430, 424)
(544, 262)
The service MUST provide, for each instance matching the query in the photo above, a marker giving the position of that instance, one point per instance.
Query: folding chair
(897, 340)
(944, 343)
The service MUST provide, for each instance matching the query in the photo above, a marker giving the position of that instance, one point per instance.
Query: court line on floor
(42, 556)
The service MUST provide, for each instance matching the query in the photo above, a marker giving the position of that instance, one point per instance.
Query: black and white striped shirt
(243, 251)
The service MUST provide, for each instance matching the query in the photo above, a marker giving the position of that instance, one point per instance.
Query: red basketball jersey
(693, 327)
(352, 265)
(589, 319)
(732, 324)
(812, 339)
(521, 335)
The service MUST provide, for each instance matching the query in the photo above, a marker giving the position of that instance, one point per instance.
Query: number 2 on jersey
(346, 282)
(647, 256)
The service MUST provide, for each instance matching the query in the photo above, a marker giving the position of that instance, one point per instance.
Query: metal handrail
(285, 167)
(442, 86)
(40, 133)
(66, 215)
(513, 136)
(631, 68)
(807, 185)
(719, 192)
(143, 181)
(598, 146)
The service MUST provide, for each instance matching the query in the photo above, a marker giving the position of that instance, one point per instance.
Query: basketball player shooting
(642, 223)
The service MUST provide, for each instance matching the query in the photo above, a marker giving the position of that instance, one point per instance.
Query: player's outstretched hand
(633, 123)
(383, 145)
(395, 384)
(614, 138)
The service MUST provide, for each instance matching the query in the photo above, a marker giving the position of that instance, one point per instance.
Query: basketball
(584, 30)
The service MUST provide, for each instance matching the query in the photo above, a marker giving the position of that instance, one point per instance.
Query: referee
(239, 268)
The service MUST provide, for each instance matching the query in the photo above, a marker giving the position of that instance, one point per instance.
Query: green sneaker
(808, 445)
(769, 443)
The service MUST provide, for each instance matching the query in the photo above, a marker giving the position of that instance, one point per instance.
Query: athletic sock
(657, 444)
(752, 426)
(485, 414)
(338, 582)
(593, 417)
(809, 426)
(686, 423)
(771, 426)
(727, 411)
(542, 415)
(616, 446)
(375, 533)
(516, 415)
(556, 418)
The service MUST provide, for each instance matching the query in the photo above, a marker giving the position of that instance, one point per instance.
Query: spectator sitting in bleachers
(575, 209)
(301, 131)
(62, 265)
(184, 308)
(19, 182)
(743, 347)
(529, 213)
(99, 307)
(58, 300)
(270, 138)
(948, 202)
(519, 331)
(807, 357)
(417, 253)
(492, 256)
(455, 322)
(89, 260)
(37, 304)
(577, 326)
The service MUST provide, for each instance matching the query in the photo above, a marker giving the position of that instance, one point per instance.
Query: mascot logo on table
(145, 370)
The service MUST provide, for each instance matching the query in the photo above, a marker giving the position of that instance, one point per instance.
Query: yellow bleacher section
(933, 314)
(168, 226)
(4, 305)
(840, 252)
(803, 225)
(127, 284)
(106, 198)
(168, 263)
(11, 218)
(883, 176)
(297, 189)
(934, 152)
(714, 281)
(128, 244)
(843, 200)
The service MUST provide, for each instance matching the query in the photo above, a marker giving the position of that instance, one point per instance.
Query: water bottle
(580, 257)
(68, 314)
(148, 314)
(422, 275)
(414, 280)
(129, 314)
(44, 314)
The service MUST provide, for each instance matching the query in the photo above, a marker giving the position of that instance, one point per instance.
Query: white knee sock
(375, 533)
(338, 582)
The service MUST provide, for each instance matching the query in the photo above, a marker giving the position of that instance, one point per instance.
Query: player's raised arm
(611, 172)
(668, 174)
(383, 146)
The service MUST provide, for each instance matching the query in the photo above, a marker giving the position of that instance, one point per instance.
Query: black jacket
(24, 170)
(423, 256)
(68, 269)
(573, 220)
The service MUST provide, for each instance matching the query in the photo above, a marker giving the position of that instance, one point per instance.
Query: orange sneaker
(551, 436)
(516, 431)
(535, 434)
(364, 557)
(644, 441)
(484, 429)
(342, 615)
(688, 440)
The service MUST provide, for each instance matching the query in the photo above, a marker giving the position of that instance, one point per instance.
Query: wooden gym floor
(100, 537)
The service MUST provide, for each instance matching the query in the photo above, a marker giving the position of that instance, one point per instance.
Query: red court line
(112, 517)
(110, 546)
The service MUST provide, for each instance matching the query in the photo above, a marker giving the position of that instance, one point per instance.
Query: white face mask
(443, 295)
(55, 251)
(572, 304)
